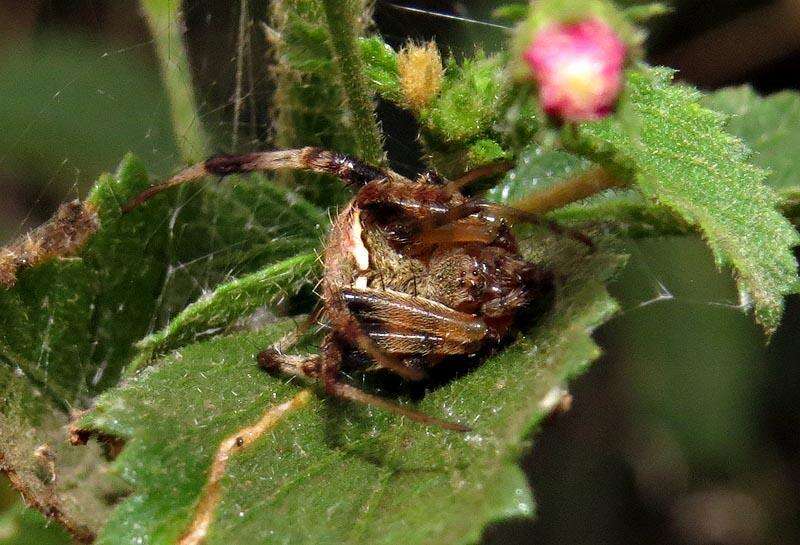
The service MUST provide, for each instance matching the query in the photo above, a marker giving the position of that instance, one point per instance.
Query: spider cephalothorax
(415, 272)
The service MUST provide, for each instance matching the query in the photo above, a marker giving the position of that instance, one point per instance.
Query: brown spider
(415, 272)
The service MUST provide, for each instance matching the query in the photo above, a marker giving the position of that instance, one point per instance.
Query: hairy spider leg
(472, 176)
(459, 232)
(515, 215)
(325, 369)
(351, 171)
(423, 200)
(293, 337)
(579, 187)
(330, 375)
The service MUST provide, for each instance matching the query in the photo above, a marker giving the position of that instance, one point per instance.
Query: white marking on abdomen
(359, 251)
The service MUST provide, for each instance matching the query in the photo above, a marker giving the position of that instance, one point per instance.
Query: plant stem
(165, 21)
(342, 21)
(240, 49)
(584, 185)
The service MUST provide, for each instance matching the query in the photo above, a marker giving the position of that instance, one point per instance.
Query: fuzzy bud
(421, 73)
(578, 67)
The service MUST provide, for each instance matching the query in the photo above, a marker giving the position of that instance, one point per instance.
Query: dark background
(687, 431)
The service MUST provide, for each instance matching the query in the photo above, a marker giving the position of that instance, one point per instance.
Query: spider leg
(325, 368)
(293, 337)
(472, 229)
(351, 171)
(422, 207)
(274, 359)
(414, 199)
(494, 211)
(574, 189)
(334, 387)
(427, 208)
(472, 176)
(346, 391)
(274, 362)
(429, 218)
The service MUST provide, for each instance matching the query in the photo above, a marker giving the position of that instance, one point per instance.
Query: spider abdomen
(424, 297)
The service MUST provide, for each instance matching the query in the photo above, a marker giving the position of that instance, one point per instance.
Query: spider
(415, 273)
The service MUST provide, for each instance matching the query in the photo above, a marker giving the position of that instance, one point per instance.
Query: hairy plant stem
(584, 185)
(165, 21)
(342, 22)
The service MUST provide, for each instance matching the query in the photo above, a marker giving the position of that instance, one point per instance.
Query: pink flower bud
(578, 67)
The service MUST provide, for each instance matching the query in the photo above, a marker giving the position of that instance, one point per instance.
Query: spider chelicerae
(415, 273)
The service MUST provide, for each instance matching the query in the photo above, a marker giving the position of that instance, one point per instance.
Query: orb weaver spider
(415, 272)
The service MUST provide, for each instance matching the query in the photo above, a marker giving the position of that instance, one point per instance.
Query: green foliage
(180, 278)
(66, 330)
(310, 103)
(380, 68)
(623, 211)
(59, 324)
(462, 112)
(483, 152)
(644, 12)
(458, 125)
(209, 315)
(69, 326)
(537, 169)
(207, 245)
(372, 477)
(770, 126)
(477, 117)
(342, 20)
(677, 154)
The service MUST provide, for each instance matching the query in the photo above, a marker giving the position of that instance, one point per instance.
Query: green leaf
(214, 313)
(460, 126)
(770, 126)
(467, 104)
(380, 68)
(66, 329)
(58, 323)
(69, 325)
(370, 476)
(222, 231)
(678, 155)
(537, 169)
